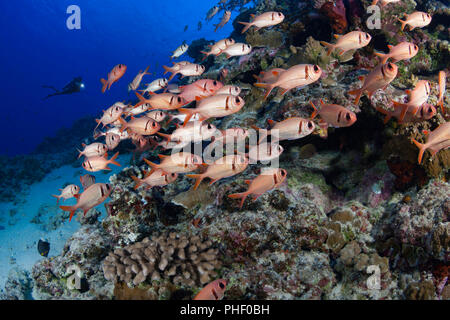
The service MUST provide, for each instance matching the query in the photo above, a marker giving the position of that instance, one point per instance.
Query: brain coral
(185, 260)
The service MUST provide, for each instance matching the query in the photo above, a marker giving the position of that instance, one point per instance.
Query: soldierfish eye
(390, 67)
(179, 100)
(348, 117)
(416, 47)
(367, 36)
(221, 285)
(310, 125)
(316, 68)
(283, 172)
(237, 99)
(215, 83)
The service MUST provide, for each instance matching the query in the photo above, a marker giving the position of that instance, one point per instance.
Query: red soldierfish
(217, 48)
(92, 150)
(265, 152)
(112, 140)
(333, 115)
(156, 179)
(157, 115)
(192, 132)
(213, 291)
(94, 164)
(224, 167)
(266, 19)
(134, 85)
(350, 41)
(181, 162)
(269, 76)
(417, 97)
(416, 19)
(267, 180)
(91, 197)
(289, 129)
(402, 51)
(199, 89)
(426, 112)
(180, 51)
(237, 49)
(230, 90)
(438, 139)
(226, 17)
(297, 76)
(110, 115)
(379, 78)
(162, 101)
(144, 126)
(188, 70)
(116, 73)
(68, 192)
(87, 180)
(217, 106)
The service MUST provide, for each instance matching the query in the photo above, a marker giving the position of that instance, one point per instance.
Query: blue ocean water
(38, 49)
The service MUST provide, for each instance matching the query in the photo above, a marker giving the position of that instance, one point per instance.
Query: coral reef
(186, 261)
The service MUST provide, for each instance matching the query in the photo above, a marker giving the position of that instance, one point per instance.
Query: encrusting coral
(188, 261)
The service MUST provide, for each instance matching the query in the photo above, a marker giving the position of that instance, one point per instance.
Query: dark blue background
(37, 49)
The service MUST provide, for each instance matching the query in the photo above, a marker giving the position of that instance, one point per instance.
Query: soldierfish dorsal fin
(336, 36)
(390, 46)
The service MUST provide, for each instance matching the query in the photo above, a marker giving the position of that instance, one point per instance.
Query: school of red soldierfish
(213, 99)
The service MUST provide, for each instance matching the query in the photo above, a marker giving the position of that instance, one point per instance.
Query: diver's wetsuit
(73, 86)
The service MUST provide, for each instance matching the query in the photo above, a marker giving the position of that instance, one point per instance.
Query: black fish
(43, 247)
(185, 28)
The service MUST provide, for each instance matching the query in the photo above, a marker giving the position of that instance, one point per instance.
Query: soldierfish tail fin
(167, 69)
(403, 23)
(206, 55)
(421, 149)
(404, 109)
(241, 196)
(146, 71)
(154, 167)
(246, 24)
(141, 98)
(386, 113)
(189, 114)
(383, 57)
(71, 209)
(197, 177)
(315, 112)
(374, 2)
(268, 86)
(329, 46)
(217, 27)
(138, 182)
(98, 123)
(123, 123)
(113, 160)
(168, 137)
(105, 84)
(263, 133)
(97, 134)
(57, 198)
(357, 93)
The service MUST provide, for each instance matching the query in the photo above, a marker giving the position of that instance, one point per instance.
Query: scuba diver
(76, 85)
